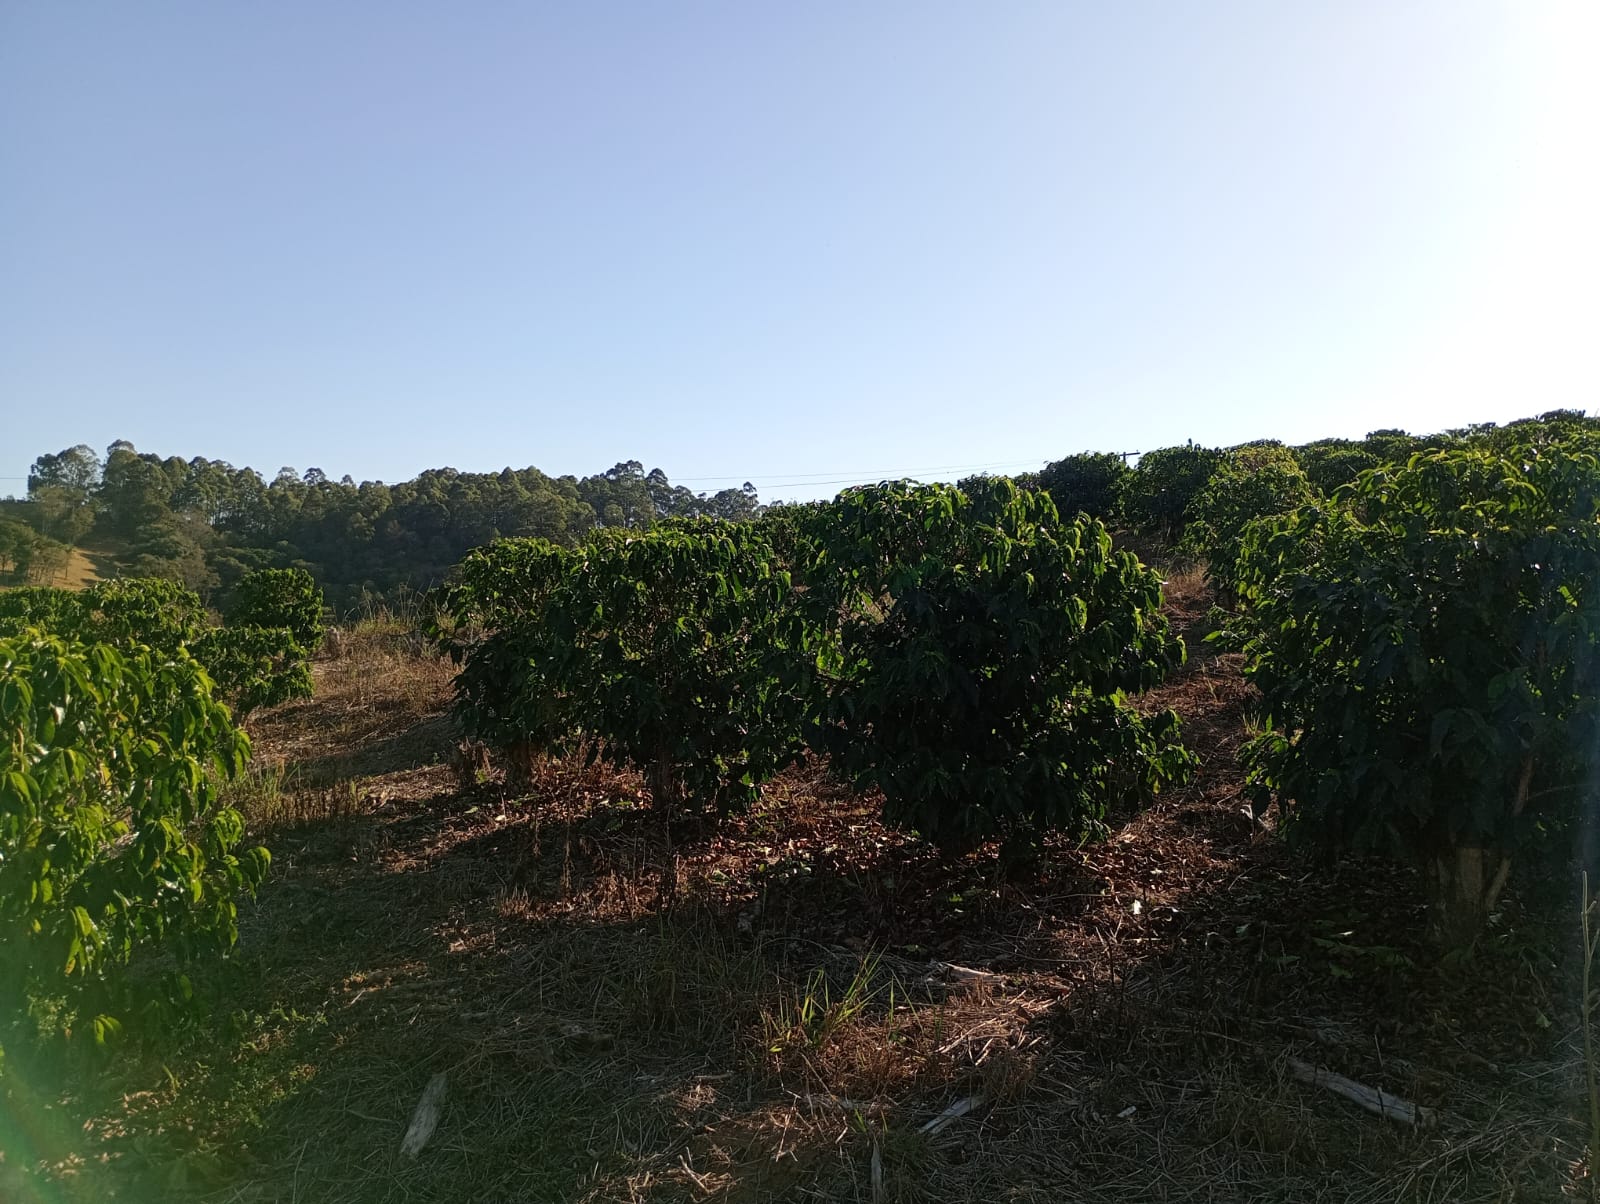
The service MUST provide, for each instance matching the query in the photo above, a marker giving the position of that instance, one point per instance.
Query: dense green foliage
(112, 835)
(661, 648)
(1088, 483)
(206, 524)
(982, 655)
(491, 618)
(143, 610)
(964, 652)
(1251, 482)
(251, 666)
(159, 614)
(27, 555)
(61, 488)
(41, 606)
(1427, 658)
(1177, 493)
(282, 598)
(670, 647)
(1155, 497)
(1331, 463)
(254, 667)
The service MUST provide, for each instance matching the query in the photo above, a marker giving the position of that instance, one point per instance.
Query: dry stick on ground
(426, 1118)
(867, 1107)
(1381, 1103)
(962, 975)
(951, 1114)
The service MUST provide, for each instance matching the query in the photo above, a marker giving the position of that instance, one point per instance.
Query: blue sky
(795, 244)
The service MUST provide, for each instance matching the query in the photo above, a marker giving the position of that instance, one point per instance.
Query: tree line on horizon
(205, 524)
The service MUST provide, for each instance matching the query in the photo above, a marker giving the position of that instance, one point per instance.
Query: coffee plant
(1252, 482)
(281, 598)
(158, 614)
(671, 645)
(1332, 463)
(251, 666)
(980, 657)
(1088, 483)
(40, 606)
(254, 667)
(153, 611)
(113, 838)
(491, 619)
(1155, 497)
(660, 649)
(1427, 660)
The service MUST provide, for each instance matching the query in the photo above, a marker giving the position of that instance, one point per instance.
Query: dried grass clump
(271, 798)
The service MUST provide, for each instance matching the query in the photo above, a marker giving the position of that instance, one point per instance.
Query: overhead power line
(843, 477)
(828, 477)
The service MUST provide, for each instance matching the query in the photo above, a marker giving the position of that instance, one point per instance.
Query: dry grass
(378, 709)
(774, 1008)
(82, 569)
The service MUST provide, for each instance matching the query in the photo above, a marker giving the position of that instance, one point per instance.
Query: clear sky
(789, 243)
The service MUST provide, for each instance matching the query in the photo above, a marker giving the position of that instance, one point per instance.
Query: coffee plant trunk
(1466, 879)
(1465, 883)
(665, 782)
(519, 758)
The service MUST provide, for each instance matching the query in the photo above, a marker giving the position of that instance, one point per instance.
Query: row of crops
(120, 709)
(1427, 648)
(966, 653)
(1424, 641)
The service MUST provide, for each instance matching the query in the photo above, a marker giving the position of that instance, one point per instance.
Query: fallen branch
(1380, 1103)
(834, 1103)
(697, 1179)
(949, 975)
(425, 1119)
(950, 1115)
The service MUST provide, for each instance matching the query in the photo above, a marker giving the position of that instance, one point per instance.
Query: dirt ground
(800, 1004)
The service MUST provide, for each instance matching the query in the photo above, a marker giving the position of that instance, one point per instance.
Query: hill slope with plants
(204, 523)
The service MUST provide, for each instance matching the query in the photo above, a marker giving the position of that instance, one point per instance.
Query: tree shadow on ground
(426, 742)
(767, 1007)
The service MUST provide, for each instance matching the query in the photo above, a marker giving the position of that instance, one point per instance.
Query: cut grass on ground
(777, 1008)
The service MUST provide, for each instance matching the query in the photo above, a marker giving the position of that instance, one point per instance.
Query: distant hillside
(79, 570)
(205, 523)
(83, 569)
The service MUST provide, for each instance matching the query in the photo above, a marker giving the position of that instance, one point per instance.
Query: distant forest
(205, 523)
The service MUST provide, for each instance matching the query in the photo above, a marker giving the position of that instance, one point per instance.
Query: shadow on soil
(425, 743)
(769, 1008)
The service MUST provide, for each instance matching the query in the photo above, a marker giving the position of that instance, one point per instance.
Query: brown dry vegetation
(83, 569)
(774, 1008)
(80, 569)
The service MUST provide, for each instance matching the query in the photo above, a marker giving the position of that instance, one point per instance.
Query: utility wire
(873, 474)
(829, 477)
